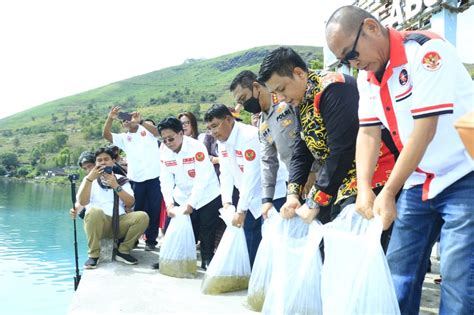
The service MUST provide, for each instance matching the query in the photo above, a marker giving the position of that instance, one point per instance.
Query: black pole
(77, 278)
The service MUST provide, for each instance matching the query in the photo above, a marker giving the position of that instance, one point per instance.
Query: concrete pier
(115, 288)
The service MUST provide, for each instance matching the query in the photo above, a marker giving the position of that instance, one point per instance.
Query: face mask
(252, 105)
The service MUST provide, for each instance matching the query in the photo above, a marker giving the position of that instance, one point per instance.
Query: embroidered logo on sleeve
(431, 61)
(192, 173)
(403, 77)
(200, 156)
(143, 133)
(249, 155)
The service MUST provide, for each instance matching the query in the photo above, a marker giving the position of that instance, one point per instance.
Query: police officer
(278, 127)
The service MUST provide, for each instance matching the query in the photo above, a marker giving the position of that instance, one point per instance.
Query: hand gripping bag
(356, 278)
(178, 251)
(295, 284)
(262, 266)
(229, 269)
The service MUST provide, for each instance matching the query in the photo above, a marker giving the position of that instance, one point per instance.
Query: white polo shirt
(143, 155)
(423, 78)
(188, 177)
(104, 198)
(239, 159)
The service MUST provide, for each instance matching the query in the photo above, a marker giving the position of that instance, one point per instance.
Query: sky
(56, 48)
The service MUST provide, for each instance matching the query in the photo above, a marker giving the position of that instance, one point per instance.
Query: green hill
(37, 134)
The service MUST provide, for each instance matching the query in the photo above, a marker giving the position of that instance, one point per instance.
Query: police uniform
(239, 159)
(278, 129)
(424, 77)
(188, 178)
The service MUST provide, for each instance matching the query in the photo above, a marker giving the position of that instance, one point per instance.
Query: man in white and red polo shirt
(188, 179)
(414, 84)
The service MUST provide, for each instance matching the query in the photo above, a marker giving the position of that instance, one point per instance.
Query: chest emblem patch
(250, 155)
(403, 77)
(200, 156)
(143, 133)
(192, 173)
(431, 61)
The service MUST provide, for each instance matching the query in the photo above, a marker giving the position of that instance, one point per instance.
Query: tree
(16, 142)
(60, 139)
(196, 110)
(64, 157)
(9, 160)
(35, 155)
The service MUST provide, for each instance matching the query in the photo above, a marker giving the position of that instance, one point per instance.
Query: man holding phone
(143, 157)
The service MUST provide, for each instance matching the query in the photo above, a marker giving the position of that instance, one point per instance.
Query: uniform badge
(403, 77)
(200, 156)
(286, 123)
(192, 173)
(431, 61)
(274, 98)
(263, 126)
(250, 155)
(280, 108)
(143, 133)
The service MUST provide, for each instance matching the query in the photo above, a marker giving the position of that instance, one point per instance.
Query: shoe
(150, 247)
(155, 266)
(91, 263)
(205, 264)
(126, 258)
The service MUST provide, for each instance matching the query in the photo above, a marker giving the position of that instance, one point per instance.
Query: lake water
(37, 248)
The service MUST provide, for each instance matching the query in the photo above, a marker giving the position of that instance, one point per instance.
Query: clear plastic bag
(178, 251)
(229, 269)
(262, 267)
(356, 278)
(295, 284)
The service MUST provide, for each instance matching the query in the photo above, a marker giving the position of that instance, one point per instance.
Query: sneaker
(91, 263)
(150, 247)
(126, 258)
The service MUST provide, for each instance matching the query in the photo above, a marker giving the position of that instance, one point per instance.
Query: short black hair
(106, 150)
(281, 61)
(245, 79)
(150, 121)
(172, 123)
(219, 111)
(86, 157)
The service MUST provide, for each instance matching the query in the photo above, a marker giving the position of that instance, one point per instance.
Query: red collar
(397, 56)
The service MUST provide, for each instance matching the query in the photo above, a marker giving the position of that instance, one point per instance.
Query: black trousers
(148, 198)
(204, 222)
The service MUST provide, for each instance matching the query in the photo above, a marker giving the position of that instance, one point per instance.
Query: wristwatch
(118, 189)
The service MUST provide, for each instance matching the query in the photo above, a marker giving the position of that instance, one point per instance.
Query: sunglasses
(185, 123)
(352, 54)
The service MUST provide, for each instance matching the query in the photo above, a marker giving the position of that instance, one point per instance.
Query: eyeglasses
(185, 123)
(352, 54)
(168, 140)
(214, 127)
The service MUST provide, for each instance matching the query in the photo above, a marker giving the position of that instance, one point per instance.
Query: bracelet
(90, 181)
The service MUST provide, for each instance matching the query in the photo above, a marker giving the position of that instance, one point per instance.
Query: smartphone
(124, 116)
(108, 169)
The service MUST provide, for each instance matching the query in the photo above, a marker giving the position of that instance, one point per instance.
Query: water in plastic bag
(295, 284)
(229, 269)
(356, 278)
(178, 250)
(262, 267)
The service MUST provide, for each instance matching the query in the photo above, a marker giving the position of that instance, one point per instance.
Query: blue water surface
(37, 248)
